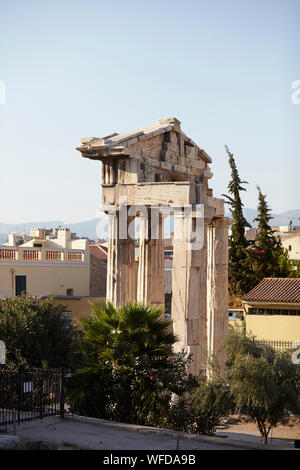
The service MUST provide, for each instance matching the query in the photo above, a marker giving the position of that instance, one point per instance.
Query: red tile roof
(279, 290)
(98, 251)
(286, 236)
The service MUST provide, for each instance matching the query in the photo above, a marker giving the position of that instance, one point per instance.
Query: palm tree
(126, 336)
(127, 370)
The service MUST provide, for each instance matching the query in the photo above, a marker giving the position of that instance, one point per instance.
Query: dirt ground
(248, 431)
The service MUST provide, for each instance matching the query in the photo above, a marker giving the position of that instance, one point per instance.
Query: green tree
(35, 332)
(267, 257)
(127, 354)
(239, 269)
(263, 384)
(209, 402)
(125, 335)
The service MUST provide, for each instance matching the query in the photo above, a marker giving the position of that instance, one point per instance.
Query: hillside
(97, 228)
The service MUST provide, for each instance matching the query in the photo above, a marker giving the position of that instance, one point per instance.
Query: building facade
(291, 242)
(57, 264)
(98, 270)
(272, 310)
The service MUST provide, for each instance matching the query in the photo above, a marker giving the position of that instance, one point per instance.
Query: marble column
(121, 269)
(217, 291)
(189, 291)
(150, 283)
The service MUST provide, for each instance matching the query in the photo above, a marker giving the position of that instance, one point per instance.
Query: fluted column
(189, 290)
(150, 283)
(121, 271)
(217, 282)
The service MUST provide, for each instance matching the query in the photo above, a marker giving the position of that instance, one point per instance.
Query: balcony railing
(7, 254)
(53, 255)
(30, 255)
(77, 256)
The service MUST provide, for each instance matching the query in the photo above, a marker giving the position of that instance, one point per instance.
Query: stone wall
(98, 272)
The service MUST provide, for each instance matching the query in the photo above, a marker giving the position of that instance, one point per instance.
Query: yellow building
(78, 307)
(46, 263)
(272, 310)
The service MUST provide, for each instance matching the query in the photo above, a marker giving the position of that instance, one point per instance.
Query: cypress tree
(239, 269)
(236, 205)
(267, 255)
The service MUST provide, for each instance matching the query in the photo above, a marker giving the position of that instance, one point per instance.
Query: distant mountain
(97, 228)
(278, 219)
(3, 238)
(249, 215)
(294, 214)
(26, 227)
(92, 229)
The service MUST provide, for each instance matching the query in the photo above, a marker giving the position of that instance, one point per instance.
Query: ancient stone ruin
(149, 174)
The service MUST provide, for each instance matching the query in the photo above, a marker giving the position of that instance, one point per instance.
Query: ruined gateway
(160, 166)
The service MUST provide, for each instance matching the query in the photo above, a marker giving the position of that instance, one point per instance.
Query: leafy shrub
(180, 417)
(264, 384)
(210, 401)
(35, 332)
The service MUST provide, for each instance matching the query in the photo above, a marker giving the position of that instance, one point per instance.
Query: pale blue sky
(75, 68)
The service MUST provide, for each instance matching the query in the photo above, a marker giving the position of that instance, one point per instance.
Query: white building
(291, 242)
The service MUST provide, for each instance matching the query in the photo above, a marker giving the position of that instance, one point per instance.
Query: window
(168, 252)
(273, 311)
(37, 245)
(290, 247)
(20, 284)
(70, 291)
(252, 311)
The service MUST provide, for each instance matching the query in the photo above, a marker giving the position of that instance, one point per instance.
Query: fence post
(14, 420)
(20, 393)
(41, 384)
(62, 398)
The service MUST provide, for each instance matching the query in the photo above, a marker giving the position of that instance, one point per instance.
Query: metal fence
(30, 395)
(276, 345)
